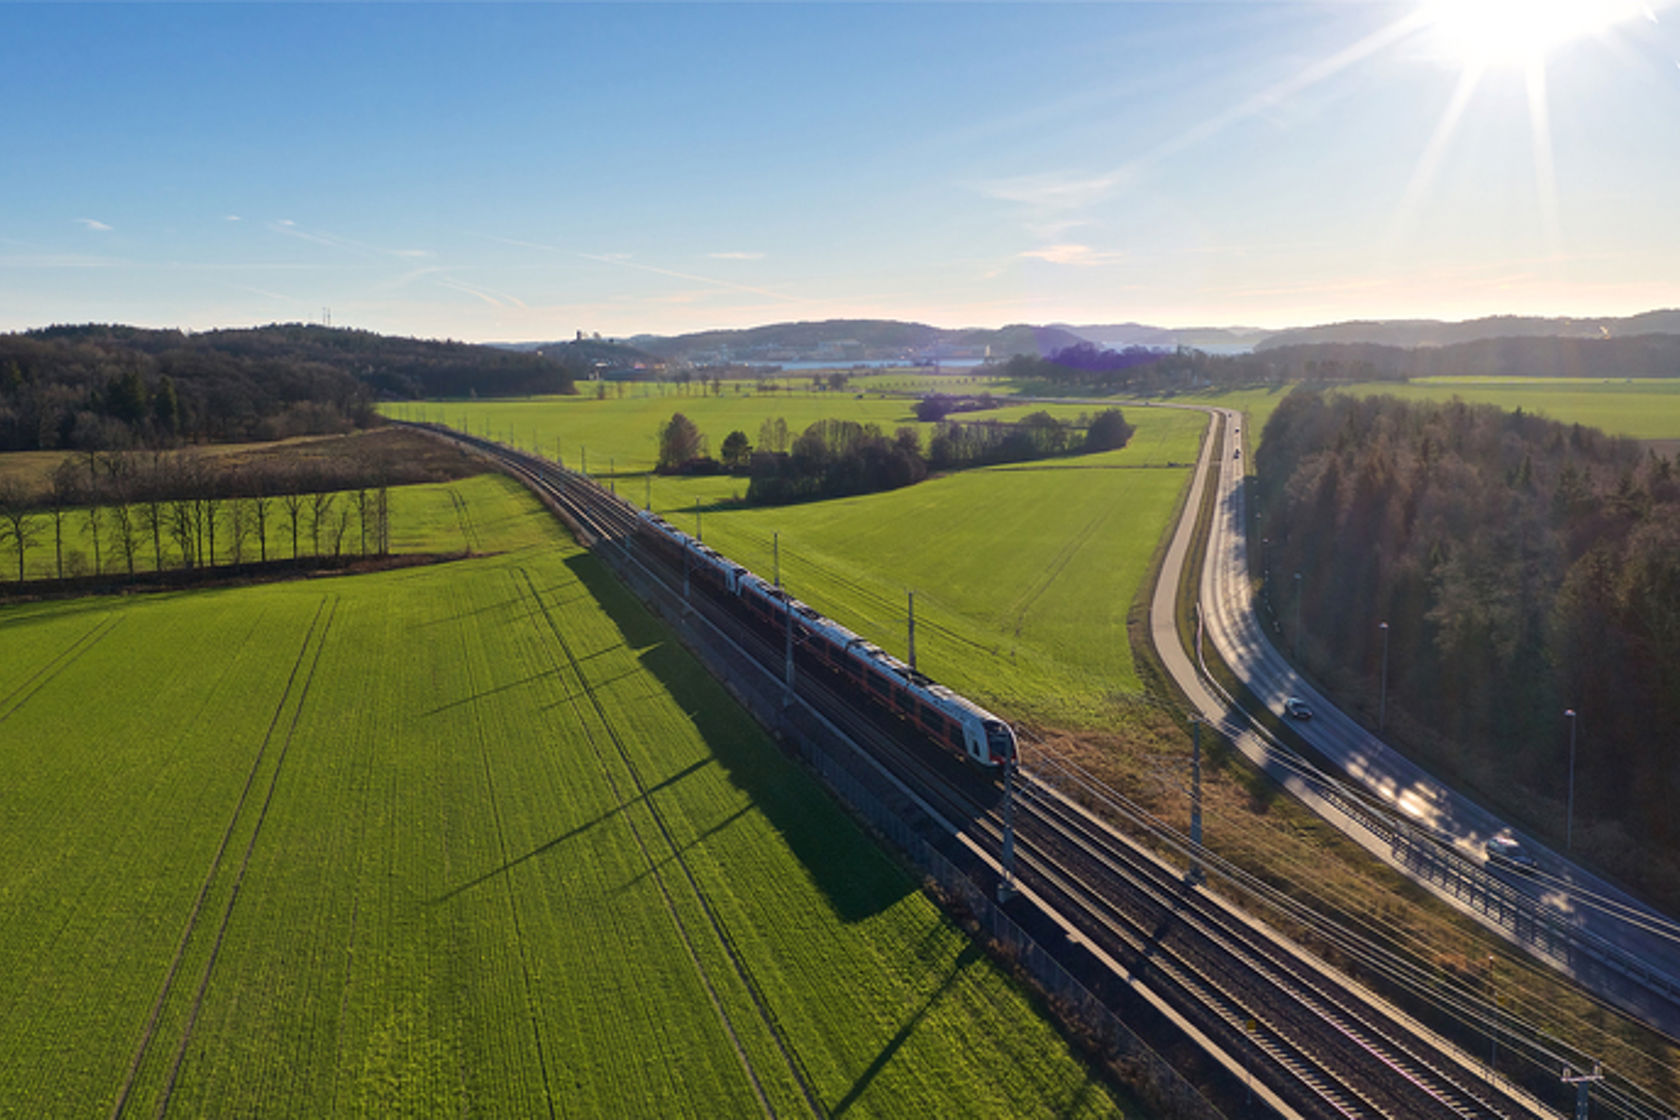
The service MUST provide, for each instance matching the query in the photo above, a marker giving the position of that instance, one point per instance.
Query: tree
(737, 452)
(1108, 431)
(679, 441)
(17, 519)
(320, 504)
(773, 435)
(166, 406)
(292, 503)
(64, 487)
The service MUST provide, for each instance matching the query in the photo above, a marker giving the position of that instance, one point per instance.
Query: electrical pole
(1583, 1083)
(647, 503)
(1006, 886)
(697, 535)
(912, 631)
(787, 614)
(1196, 874)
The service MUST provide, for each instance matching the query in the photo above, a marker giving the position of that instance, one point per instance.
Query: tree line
(174, 511)
(836, 458)
(1088, 369)
(113, 387)
(1524, 567)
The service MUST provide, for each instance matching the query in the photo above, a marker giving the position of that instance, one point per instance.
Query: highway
(1559, 913)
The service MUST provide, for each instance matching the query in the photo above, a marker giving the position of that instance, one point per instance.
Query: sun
(1484, 34)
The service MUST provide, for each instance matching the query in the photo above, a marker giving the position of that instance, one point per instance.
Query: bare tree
(260, 508)
(126, 527)
(292, 503)
(362, 514)
(17, 519)
(152, 511)
(320, 504)
(340, 526)
(64, 487)
(181, 527)
(95, 514)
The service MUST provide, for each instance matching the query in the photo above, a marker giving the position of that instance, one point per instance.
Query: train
(954, 722)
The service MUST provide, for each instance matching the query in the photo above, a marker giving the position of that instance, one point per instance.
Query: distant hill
(589, 353)
(1120, 335)
(852, 340)
(1434, 332)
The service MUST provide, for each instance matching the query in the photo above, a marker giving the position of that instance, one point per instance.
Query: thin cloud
(232, 218)
(736, 255)
(1082, 256)
(94, 225)
(58, 260)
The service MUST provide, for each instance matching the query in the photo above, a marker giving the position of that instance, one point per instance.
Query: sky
(521, 172)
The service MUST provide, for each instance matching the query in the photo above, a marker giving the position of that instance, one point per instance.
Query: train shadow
(855, 877)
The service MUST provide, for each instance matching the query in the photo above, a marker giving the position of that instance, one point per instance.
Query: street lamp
(1569, 814)
(1382, 696)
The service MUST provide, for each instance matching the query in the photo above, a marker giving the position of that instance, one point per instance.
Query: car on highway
(1505, 851)
(1296, 708)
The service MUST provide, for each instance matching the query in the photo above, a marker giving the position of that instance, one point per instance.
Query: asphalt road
(1233, 627)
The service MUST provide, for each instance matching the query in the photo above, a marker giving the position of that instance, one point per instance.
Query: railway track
(1322, 1045)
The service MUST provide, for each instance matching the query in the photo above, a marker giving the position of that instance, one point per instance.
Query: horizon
(513, 173)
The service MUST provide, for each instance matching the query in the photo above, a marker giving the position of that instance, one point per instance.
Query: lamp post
(1382, 696)
(1569, 813)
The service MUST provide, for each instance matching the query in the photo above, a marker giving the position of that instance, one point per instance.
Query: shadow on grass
(570, 834)
(969, 955)
(854, 876)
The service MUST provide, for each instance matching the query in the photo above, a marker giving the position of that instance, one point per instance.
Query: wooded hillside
(1524, 567)
(101, 387)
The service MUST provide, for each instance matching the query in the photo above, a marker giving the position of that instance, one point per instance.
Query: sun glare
(1488, 33)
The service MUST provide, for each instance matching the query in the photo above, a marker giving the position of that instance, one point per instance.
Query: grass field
(477, 839)
(1643, 409)
(1024, 574)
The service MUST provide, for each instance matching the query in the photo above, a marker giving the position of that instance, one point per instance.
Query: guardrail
(1526, 920)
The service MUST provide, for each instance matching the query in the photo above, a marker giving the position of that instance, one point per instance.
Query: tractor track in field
(150, 1031)
(507, 883)
(245, 862)
(464, 519)
(25, 690)
(1059, 563)
(719, 930)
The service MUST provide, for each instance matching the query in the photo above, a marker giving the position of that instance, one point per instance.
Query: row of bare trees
(177, 510)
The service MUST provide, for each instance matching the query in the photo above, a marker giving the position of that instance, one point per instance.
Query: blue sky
(525, 171)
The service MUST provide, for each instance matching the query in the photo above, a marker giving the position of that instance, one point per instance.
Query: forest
(1525, 568)
(110, 387)
(1086, 368)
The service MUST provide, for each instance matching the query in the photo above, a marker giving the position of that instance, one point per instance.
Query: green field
(1024, 574)
(1642, 409)
(474, 838)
